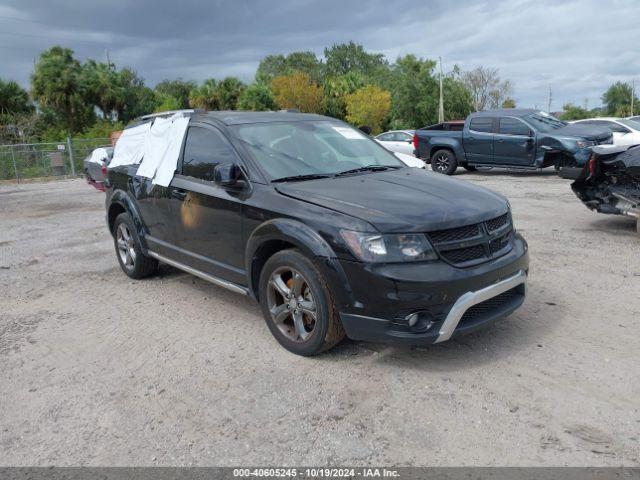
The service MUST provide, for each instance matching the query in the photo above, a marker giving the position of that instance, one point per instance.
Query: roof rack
(169, 113)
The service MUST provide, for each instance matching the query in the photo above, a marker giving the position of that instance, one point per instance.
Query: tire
(444, 161)
(469, 168)
(289, 272)
(128, 251)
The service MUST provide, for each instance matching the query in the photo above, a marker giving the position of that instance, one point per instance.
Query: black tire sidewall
(138, 270)
(293, 258)
(453, 162)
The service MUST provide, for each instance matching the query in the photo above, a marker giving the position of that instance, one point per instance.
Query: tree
(487, 91)
(298, 91)
(138, 98)
(256, 97)
(336, 90)
(103, 88)
(273, 66)
(168, 103)
(178, 89)
(457, 99)
(414, 91)
(205, 96)
(57, 85)
(14, 99)
(574, 112)
(351, 57)
(617, 100)
(508, 103)
(228, 92)
(369, 106)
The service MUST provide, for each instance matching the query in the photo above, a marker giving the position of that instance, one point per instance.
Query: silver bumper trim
(470, 299)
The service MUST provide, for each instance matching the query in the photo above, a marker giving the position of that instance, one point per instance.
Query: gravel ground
(98, 369)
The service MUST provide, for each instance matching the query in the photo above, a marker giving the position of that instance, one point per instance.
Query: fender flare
(309, 242)
(122, 198)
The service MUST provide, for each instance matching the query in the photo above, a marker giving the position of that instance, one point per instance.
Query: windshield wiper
(295, 178)
(369, 168)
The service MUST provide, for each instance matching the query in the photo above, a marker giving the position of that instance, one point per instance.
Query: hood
(576, 130)
(405, 200)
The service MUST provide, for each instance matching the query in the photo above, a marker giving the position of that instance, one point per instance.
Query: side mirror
(410, 142)
(227, 174)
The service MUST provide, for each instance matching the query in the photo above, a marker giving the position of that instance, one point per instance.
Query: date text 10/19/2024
(316, 472)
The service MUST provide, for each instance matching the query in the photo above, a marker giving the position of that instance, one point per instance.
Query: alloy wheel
(291, 304)
(126, 247)
(441, 163)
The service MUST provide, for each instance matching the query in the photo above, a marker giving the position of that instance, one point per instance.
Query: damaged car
(518, 139)
(610, 182)
(329, 231)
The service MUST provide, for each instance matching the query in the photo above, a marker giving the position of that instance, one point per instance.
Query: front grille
(453, 234)
(495, 223)
(483, 310)
(463, 255)
(474, 244)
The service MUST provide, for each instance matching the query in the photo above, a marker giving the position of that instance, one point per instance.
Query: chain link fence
(40, 160)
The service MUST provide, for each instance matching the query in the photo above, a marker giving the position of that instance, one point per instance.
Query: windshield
(634, 124)
(289, 149)
(544, 122)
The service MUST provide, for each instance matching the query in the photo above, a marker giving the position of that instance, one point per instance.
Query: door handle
(179, 194)
(500, 140)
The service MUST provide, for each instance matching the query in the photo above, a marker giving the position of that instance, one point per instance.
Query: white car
(397, 141)
(410, 160)
(626, 133)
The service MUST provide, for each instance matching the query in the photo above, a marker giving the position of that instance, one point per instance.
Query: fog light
(420, 321)
(413, 319)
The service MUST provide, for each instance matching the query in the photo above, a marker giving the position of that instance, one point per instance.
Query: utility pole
(441, 104)
(633, 93)
(106, 53)
(549, 101)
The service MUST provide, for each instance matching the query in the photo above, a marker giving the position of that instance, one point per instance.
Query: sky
(576, 48)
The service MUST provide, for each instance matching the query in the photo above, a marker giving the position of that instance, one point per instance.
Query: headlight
(373, 247)
(585, 143)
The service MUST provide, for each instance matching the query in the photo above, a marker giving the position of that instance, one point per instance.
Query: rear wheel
(297, 304)
(128, 250)
(444, 161)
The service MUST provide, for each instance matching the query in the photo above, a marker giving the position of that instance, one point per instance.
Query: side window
(403, 137)
(203, 150)
(386, 137)
(481, 124)
(513, 126)
(616, 127)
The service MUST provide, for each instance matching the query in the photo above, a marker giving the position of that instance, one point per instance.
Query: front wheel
(444, 161)
(128, 250)
(297, 304)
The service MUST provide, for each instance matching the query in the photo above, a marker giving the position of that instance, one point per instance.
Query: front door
(513, 143)
(207, 216)
(478, 140)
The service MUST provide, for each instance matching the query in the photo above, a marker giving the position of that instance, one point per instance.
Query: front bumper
(449, 300)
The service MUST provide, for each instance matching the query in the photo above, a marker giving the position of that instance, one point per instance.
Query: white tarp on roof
(99, 155)
(156, 147)
(130, 146)
(162, 149)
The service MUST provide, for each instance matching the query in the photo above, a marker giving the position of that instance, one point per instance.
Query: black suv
(330, 232)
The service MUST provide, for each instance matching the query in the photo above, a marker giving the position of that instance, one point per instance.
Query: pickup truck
(514, 138)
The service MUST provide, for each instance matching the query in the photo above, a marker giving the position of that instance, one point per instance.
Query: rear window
(481, 124)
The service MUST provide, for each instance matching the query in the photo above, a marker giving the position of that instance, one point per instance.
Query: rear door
(403, 143)
(478, 140)
(513, 143)
(208, 216)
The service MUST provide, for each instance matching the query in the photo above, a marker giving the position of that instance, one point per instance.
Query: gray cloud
(577, 47)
